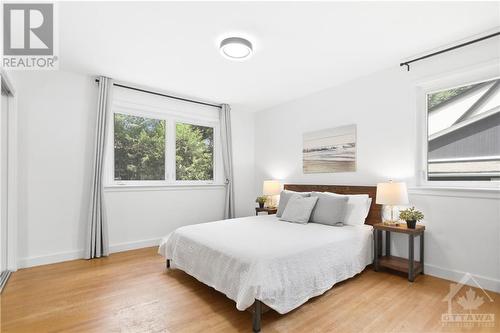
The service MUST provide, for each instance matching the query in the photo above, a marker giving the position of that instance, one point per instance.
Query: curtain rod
(163, 95)
(407, 63)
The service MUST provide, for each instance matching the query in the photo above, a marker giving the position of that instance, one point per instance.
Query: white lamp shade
(392, 194)
(271, 187)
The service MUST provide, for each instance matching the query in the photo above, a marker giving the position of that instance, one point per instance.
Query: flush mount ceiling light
(236, 48)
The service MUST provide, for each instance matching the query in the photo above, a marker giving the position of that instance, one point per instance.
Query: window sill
(160, 187)
(458, 192)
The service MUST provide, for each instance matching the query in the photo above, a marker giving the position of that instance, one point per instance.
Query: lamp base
(392, 220)
(271, 202)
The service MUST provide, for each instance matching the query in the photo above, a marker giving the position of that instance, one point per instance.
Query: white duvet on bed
(279, 263)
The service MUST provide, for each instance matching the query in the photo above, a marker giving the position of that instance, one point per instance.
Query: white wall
(463, 234)
(54, 137)
(138, 218)
(56, 120)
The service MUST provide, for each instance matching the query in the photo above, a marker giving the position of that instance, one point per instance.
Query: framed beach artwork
(330, 150)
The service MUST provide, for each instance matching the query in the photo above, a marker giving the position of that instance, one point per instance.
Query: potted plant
(261, 200)
(411, 216)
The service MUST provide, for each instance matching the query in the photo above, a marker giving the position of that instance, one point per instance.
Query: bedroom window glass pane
(464, 133)
(139, 148)
(194, 147)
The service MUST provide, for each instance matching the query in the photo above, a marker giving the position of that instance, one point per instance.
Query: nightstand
(265, 209)
(409, 265)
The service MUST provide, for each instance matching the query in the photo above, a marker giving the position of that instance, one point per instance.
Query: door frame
(12, 167)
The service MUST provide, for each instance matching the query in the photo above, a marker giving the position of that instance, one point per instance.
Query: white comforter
(279, 263)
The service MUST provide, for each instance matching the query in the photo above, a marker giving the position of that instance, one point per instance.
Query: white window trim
(469, 75)
(171, 117)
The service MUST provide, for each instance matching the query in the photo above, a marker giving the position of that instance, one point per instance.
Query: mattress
(279, 263)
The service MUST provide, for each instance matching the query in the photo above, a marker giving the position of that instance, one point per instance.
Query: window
(194, 150)
(463, 133)
(155, 141)
(139, 148)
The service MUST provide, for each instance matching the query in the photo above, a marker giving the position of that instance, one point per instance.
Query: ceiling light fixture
(236, 48)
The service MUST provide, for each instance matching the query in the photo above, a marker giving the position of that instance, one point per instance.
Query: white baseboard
(120, 247)
(49, 259)
(486, 283)
(78, 254)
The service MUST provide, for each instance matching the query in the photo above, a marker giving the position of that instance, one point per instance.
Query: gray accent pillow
(329, 209)
(298, 209)
(284, 197)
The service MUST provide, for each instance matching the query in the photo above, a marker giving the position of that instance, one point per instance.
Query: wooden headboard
(374, 216)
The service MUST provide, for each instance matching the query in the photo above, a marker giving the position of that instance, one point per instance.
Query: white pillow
(299, 209)
(358, 207)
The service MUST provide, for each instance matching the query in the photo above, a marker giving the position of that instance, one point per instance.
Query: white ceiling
(300, 47)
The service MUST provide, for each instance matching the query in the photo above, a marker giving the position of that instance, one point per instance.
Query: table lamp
(271, 188)
(392, 194)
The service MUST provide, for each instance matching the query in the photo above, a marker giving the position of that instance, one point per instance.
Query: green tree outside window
(139, 148)
(194, 158)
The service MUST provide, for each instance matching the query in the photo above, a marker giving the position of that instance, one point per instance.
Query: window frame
(171, 118)
(472, 75)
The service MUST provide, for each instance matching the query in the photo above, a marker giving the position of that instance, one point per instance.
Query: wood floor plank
(132, 292)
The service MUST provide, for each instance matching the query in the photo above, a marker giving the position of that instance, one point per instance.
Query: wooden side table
(266, 209)
(409, 265)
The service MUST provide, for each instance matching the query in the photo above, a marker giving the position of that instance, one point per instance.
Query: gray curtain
(227, 157)
(97, 232)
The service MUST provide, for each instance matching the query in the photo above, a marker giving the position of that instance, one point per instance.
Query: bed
(261, 260)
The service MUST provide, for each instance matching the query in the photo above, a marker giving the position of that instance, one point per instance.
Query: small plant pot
(411, 224)
(261, 205)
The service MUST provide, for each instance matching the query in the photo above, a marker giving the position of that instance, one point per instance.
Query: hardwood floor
(132, 292)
